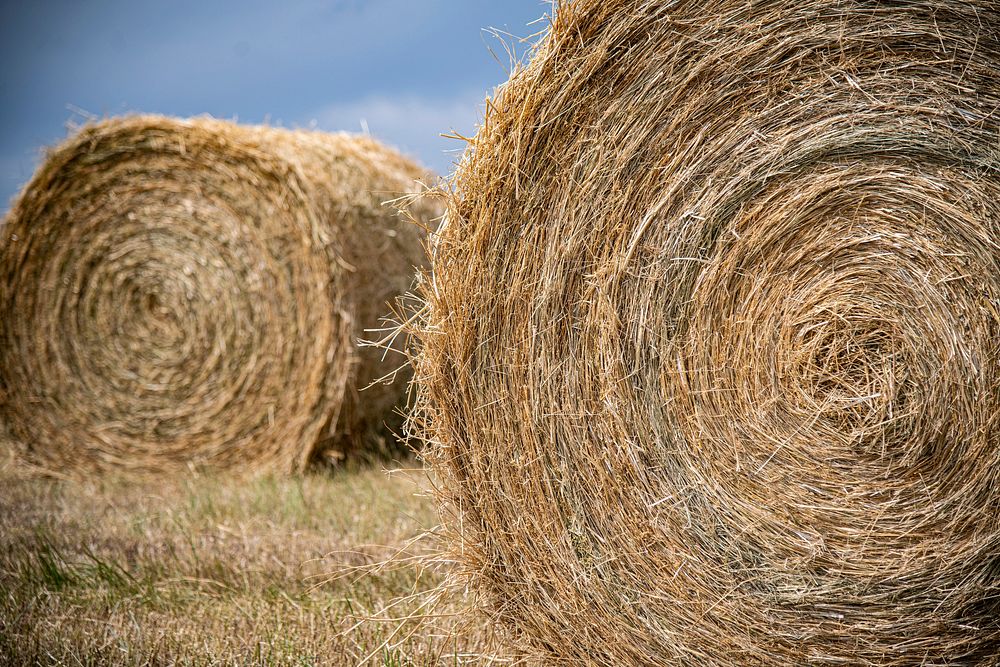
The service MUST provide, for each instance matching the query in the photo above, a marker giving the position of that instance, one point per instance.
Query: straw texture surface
(177, 292)
(709, 357)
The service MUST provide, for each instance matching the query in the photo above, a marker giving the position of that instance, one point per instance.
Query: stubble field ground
(208, 569)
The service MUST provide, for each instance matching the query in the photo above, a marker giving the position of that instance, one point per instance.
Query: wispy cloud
(413, 124)
(399, 65)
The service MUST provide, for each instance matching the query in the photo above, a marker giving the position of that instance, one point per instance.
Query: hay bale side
(709, 361)
(177, 292)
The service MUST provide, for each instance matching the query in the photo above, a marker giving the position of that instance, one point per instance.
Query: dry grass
(211, 570)
(709, 358)
(191, 291)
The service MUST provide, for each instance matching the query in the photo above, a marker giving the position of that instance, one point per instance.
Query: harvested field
(191, 292)
(709, 368)
(218, 570)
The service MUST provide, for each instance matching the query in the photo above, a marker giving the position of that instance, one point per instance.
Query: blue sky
(408, 70)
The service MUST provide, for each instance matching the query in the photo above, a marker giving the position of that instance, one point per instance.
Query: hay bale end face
(710, 359)
(177, 292)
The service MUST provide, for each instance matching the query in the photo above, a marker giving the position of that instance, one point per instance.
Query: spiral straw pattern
(191, 292)
(710, 355)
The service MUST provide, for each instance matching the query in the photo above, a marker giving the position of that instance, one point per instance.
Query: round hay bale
(709, 359)
(177, 292)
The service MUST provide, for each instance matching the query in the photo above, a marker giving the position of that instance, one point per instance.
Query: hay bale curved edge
(709, 361)
(177, 292)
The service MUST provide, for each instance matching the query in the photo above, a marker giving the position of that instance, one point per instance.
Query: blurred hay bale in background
(177, 292)
(709, 358)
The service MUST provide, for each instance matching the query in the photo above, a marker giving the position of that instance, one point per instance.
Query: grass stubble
(318, 569)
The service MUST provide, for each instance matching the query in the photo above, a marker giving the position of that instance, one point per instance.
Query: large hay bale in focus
(178, 292)
(709, 358)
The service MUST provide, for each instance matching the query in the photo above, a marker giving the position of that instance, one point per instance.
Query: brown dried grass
(709, 356)
(178, 292)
